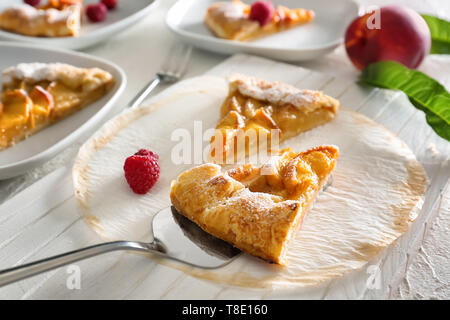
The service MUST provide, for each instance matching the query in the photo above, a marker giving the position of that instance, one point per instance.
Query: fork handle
(140, 97)
(8, 276)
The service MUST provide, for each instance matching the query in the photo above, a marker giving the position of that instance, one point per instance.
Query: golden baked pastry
(58, 18)
(255, 110)
(230, 20)
(257, 209)
(35, 95)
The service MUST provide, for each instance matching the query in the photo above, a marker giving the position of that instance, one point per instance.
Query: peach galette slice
(57, 18)
(258, 209)
(257, 111)
(35, 95)
(236, 20)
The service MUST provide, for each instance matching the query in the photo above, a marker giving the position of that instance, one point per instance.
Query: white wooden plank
(244, 64)
(355, 96)
(236, 293)
(415, 131)
(22, 221)
(377, 103)
(33, 201)
(159, 282)
(222, 69)
(197, 289)
(286, 73)
(338, 86)
(35, 236)
(267, 69)
(314, 81)
(77, 236)
(396, 114)
(109, 276)
(138, 268)
(29, 245)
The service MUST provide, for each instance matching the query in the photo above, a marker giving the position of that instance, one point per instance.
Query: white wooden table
(35, 224)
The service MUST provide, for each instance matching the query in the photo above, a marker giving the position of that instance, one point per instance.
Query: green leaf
(439, 125)
(424, 92)
(440, 34)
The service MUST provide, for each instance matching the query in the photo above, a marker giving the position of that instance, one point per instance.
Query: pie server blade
(185, 241)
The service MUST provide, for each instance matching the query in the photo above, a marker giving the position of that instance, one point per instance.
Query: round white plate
(45, 144)
(126, 14)
(305, 42)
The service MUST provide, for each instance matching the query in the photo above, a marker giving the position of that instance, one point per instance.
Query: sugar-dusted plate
(48, 142)
(126, 14)
(304, 42)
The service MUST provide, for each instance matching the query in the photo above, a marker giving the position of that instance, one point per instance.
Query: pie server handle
(8, 276)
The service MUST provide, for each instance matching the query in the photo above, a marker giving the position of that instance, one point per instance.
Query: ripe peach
(393, 33)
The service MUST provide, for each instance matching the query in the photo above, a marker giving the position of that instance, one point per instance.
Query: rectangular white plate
(126, 14)
(305, 42)
(48, 142)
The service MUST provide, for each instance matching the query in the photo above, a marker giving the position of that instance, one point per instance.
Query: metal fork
(171, 71)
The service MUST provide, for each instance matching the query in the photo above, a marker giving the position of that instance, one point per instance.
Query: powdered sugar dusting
(230, 10)
(33, 71)
(274, 92)
(27, 10)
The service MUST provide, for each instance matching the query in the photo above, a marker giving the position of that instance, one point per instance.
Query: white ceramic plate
(305, 42)
(47, 143)
(126, 14)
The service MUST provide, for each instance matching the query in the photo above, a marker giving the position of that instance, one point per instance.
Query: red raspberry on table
(33, 3)
(142, 171)
(96, 12)
(262, 11)
(110, 4)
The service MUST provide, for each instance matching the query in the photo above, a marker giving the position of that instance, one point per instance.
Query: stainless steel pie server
(174, 237)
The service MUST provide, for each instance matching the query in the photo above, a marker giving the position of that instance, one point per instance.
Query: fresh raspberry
(96, 12)
(110, 4)
(262, 11)
(146, 153)
(141, 171)
(33, 3)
